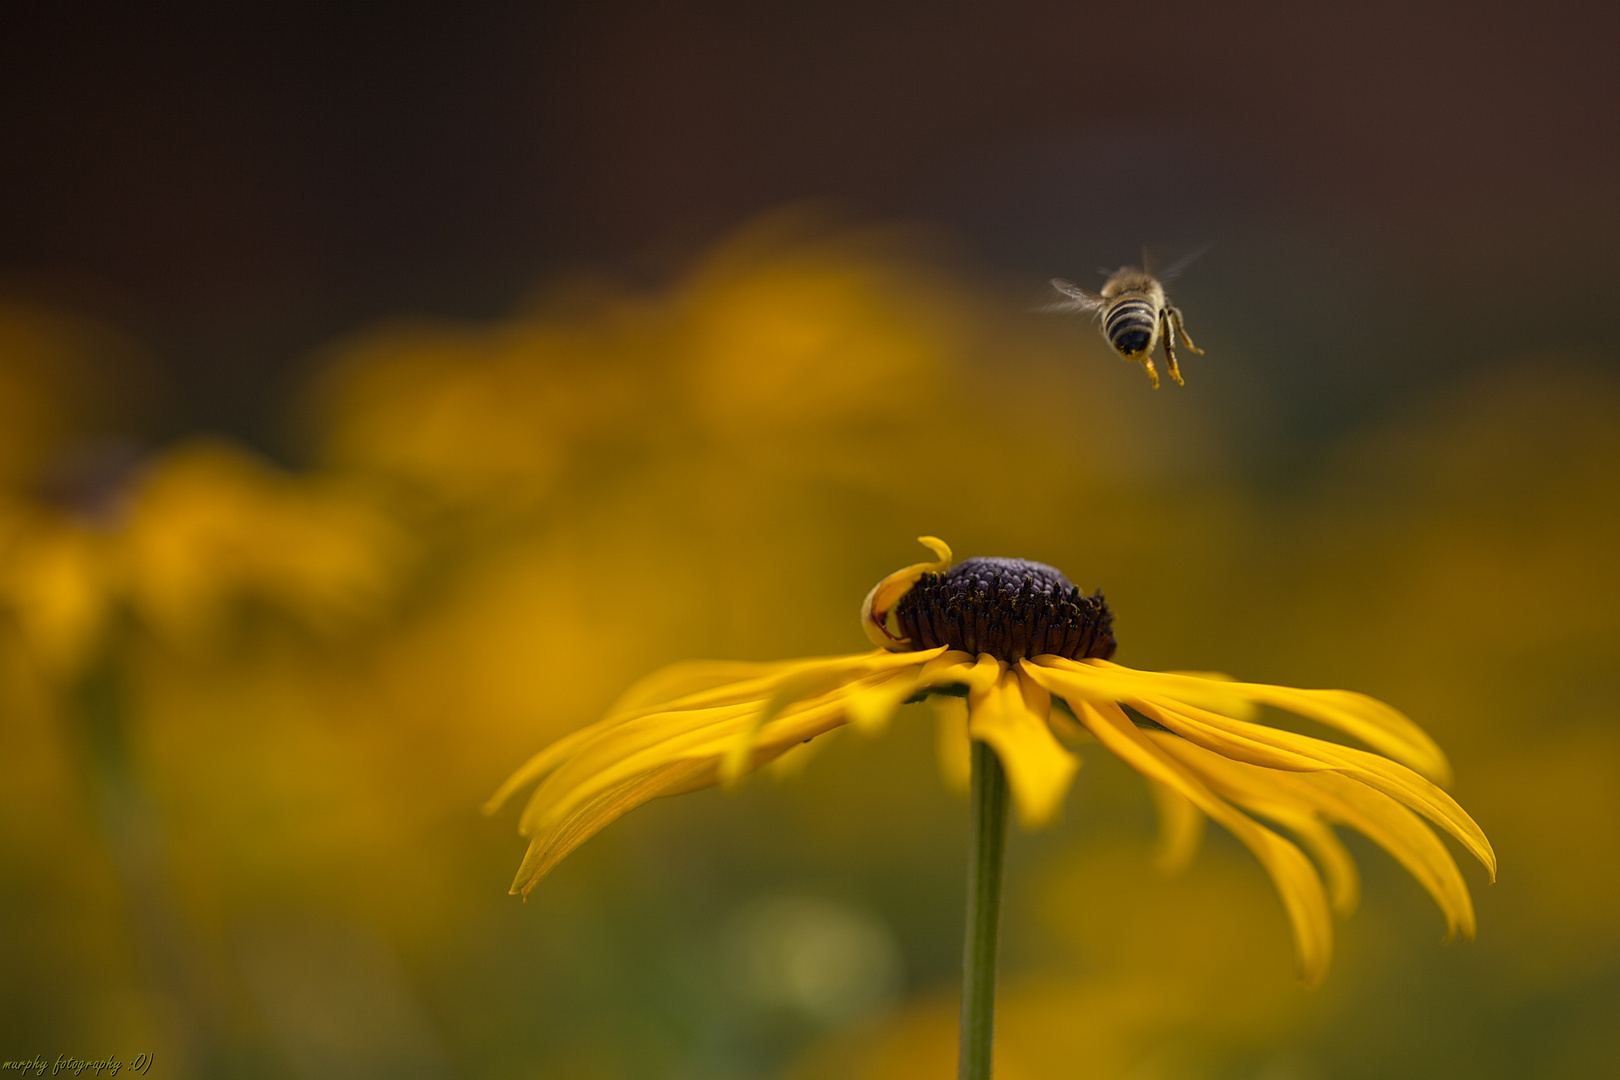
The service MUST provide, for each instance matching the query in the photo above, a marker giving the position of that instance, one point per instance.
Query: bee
(1133, 314)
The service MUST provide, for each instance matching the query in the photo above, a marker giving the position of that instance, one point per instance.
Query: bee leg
(1175, 319)
(1152, 372)
(1169, 337)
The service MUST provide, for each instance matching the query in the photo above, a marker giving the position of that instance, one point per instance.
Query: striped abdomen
(1131, 324)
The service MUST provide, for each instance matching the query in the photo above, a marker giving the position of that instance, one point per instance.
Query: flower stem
(987, 843)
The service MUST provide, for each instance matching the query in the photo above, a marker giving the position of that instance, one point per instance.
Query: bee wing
(1175, 269)
(1075, 298)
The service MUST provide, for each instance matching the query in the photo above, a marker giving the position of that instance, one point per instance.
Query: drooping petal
(1181, 829)
(872, 707)
(954, 747)
(641, 743)
(675, 681)
(1324, 845)
(1216, 732)
(548, 848)
(1405, 836)
(541, 764)
(690, 687)
(618, 753)
(1345, 801)
(1267, 793)
(953, 667)
(786, 679)
(1380, 726)
(1101, 680)
(647, 742)
(1292, 873)
(1039, 769)
(788, 765)
(814, 680)
(1075, 686)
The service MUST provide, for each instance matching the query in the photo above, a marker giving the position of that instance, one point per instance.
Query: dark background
(1396, 192)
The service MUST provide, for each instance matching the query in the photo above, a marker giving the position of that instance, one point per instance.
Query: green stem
(987, 844)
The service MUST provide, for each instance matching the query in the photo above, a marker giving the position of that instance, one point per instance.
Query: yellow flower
(200, 528)
(1015, 637)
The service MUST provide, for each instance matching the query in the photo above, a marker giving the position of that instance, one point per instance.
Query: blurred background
(383, 390)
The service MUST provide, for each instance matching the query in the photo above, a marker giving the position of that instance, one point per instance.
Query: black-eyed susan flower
(1031, 654)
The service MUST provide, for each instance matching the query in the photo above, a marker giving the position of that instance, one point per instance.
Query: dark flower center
(1009, 608)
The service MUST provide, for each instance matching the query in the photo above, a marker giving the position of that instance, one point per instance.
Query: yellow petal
(1270, 794)
(872, 707)
(762, 686)
(886, 594)
(789, 765)
(676, 681)
(800, 685)
(541, 764)
(643, 743)
(1181, 829)
(1292, 873)
(549, 848)
(985, 673)
(954, 746)
(1405, 836)
(1375, 815)
(1380, 726)
(814, 680)
(605, 757)
(1101, 680)
(1343, 879)
(1039, 769)
(1078, 686)
(950, 668)
(1215, 732)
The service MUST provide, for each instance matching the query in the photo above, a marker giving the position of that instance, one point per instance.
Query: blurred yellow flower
(202, 525)
(781, 346)
(1011, 635)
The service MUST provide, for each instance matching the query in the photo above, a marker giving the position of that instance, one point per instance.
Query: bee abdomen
(1129, 325)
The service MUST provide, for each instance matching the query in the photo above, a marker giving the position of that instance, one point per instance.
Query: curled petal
(885, 594)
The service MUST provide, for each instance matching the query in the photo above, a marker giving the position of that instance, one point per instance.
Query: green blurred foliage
(249, 714)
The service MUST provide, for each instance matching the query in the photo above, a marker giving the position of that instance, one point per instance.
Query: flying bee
(1133, 314)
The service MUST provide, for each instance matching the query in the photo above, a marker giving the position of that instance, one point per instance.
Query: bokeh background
(383, 389)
